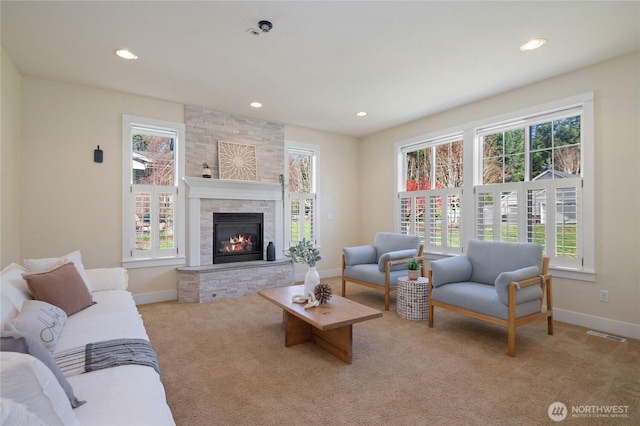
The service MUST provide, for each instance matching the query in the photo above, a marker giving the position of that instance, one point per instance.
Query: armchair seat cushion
(481, 298)
(371, 274)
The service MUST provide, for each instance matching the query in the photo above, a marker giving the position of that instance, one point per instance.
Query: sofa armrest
(359, 255)
(399, 257)
(108, 278)
(450, 270)
(525, 292)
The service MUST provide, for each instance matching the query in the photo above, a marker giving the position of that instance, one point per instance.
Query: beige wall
(68, 201)
(617, 135)
(10, 162)
(338, 175)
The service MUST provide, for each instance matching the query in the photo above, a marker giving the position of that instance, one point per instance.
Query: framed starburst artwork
(237, 161)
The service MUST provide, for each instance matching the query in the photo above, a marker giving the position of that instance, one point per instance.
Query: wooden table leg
(337, 341)
(297, 331)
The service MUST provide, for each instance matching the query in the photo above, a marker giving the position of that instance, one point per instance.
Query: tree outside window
(153, 164)
(430, 204)
(517, 165)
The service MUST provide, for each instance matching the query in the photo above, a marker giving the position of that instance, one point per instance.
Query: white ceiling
(323, 61)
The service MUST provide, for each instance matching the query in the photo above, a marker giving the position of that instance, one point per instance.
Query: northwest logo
(557, 411)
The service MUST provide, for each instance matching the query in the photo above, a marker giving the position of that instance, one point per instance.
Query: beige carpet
(224, 363)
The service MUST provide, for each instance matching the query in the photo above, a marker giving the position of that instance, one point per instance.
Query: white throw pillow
(46, 264)
(14, 413)
(26, 380)
(41, 320)
(14, 291)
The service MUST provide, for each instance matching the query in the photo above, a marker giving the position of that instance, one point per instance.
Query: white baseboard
(161, 296)
(618, 328)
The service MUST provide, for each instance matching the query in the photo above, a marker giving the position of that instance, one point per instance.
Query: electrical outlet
(604, 296)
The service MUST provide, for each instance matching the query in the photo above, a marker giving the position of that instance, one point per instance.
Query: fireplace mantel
(219, 189)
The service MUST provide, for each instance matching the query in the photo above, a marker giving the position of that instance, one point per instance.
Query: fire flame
(239, 243)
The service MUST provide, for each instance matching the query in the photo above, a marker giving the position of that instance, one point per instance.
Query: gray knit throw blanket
(105, 354)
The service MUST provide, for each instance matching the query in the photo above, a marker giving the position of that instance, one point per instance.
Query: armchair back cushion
(386, 242)
(491, 258)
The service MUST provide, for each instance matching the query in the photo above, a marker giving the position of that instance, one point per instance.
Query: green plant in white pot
(305, 252)
(206, 171)
(414, 266)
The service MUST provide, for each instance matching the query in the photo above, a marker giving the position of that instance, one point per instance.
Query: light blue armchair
(379, 265)
(503, 283)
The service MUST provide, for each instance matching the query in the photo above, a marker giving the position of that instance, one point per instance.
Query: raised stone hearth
(212, 282)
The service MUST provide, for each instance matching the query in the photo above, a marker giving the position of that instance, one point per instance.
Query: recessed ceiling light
(533, 44)
(361, 114)
(256, 104)
(126, 54)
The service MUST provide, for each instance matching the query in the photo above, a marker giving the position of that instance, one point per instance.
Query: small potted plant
(206, 171)
(414, 266)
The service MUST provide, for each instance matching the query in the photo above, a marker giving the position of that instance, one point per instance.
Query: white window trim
(315, 188)
(471, 152)
(129, 261)
(441, 139)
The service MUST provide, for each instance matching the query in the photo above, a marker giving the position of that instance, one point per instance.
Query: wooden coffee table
(328, 326)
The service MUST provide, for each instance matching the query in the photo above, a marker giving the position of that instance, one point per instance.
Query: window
(153, 223)
(526, 176)
(301, 209)
(528, 165)
(430, 203)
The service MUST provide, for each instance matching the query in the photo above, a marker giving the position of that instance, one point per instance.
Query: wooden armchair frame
(512, 322)
(387, 277)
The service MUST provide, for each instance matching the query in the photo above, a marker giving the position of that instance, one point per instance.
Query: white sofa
(121, 395)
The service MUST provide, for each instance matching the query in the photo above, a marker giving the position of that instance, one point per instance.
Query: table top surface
(337, 312)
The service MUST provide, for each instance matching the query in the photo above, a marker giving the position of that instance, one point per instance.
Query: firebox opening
(237, 237)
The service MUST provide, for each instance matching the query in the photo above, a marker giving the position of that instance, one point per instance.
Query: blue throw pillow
(396, 255)
(359, 255)
(450, 270)
(505, 278)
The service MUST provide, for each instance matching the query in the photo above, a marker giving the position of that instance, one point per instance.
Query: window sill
(572, 274)
(149, 263)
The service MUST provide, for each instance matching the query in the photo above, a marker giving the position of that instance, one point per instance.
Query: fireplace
(237, 237)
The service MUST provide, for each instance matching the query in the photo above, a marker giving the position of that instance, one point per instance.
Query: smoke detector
(265, 26)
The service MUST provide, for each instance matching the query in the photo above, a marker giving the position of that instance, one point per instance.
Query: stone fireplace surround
(203, 281)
